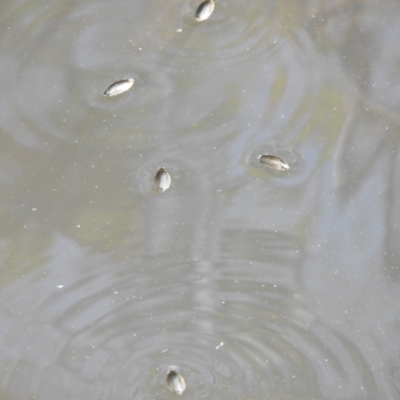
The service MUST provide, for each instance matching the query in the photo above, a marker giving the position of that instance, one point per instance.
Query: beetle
(162, 180)
(119, 87)
(176, 382)
(204, 10)
(274, 162)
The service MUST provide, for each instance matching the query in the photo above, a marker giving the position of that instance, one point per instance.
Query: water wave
(227, 330)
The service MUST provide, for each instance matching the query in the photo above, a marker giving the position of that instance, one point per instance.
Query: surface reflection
(249, 282)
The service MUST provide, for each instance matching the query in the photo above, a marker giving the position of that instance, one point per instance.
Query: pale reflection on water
(248, 282)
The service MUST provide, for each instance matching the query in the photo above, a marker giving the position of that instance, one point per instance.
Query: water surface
(251, 283)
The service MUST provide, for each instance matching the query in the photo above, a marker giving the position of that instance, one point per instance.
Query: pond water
(251, 283)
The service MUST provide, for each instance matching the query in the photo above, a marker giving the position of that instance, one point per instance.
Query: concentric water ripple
(228, 330)
(145, 284)
(236, 32)
(175, 75)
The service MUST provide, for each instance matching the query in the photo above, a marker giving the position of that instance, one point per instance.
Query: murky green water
(251, 283)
